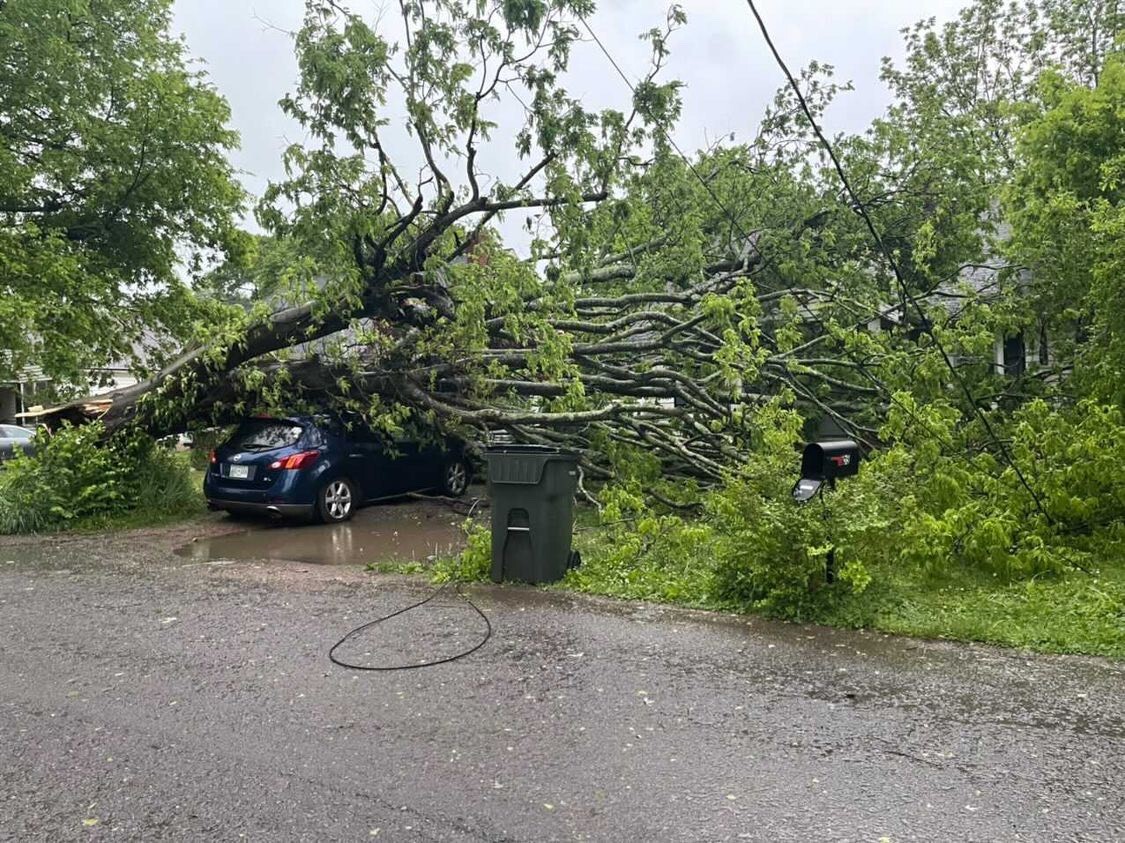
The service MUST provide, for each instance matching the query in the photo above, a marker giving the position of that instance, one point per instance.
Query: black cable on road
(488, 634)
(889, 258)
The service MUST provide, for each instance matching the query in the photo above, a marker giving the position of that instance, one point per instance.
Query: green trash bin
(532, 492)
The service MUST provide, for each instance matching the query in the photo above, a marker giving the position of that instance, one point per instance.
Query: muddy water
(389, 533)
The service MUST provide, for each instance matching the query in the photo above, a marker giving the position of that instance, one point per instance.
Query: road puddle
(403, 533)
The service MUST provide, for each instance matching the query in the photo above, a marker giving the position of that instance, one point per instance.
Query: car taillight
(213, 457)
(301, 460)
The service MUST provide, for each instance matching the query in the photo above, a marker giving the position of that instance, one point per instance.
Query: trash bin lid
(523, 464)
(544, 450)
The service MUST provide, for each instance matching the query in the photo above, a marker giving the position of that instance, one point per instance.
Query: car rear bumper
(291, 493)
(293, 510)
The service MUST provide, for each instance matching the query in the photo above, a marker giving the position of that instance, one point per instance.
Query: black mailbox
(825, 461)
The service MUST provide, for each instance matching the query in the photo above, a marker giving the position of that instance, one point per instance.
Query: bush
(931, 505)
(923, 505)
(75, 477)
(772, 554)
(974, 512)
(472, 564)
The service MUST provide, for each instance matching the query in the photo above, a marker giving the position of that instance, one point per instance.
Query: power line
(671, 141)
(889, 258)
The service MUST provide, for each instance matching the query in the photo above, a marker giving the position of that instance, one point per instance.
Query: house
(23, 399)
(1012, 355)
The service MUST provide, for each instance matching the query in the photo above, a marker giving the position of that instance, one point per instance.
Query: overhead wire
(876, 237)
(904, 288)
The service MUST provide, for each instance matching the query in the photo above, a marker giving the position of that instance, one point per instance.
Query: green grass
(1075, 613)
(136, 519)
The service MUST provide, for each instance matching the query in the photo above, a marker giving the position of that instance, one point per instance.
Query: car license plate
(239, 472)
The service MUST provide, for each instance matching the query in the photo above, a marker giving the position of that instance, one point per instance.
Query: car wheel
(455, 478)
(336, 500)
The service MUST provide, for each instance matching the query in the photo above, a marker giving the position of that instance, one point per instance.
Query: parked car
(322, 468)
(14, 439)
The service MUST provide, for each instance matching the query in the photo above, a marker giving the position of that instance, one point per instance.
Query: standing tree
(1068, 211)
(112, 165)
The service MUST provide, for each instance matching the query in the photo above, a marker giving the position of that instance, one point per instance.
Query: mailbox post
(821, 464)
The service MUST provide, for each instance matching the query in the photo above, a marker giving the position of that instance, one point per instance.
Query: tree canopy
(1067, 206)
(684, 321)
(113, 173)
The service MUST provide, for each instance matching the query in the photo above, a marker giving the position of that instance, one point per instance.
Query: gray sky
(719, 55)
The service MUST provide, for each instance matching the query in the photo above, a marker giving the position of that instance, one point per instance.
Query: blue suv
(322, 468)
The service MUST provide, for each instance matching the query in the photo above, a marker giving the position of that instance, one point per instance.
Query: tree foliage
(112, 166)
(1067, 205)
(265, 270)
(684, 323)
(74, 478)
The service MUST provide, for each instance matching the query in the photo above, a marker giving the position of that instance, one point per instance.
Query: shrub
(973, 511)
(75, 477)
(772, 554)
(472, 564)
(931, 504)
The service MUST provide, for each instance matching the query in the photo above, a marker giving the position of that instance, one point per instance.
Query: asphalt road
(145, 696)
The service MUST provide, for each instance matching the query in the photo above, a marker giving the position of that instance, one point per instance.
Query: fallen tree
(686, 322)
(438, 320)
(662, 302)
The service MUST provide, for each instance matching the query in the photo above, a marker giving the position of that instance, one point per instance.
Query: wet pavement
(394, 532)
(145, 695)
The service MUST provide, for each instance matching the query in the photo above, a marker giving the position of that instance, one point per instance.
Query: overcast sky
(719, 55)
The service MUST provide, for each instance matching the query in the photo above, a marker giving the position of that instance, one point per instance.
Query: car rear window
(10, 431)
(264, 434)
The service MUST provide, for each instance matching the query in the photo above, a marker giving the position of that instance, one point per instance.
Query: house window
(1015, 356)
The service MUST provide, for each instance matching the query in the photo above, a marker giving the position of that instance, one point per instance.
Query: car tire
(336, 500)
(455, 477)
